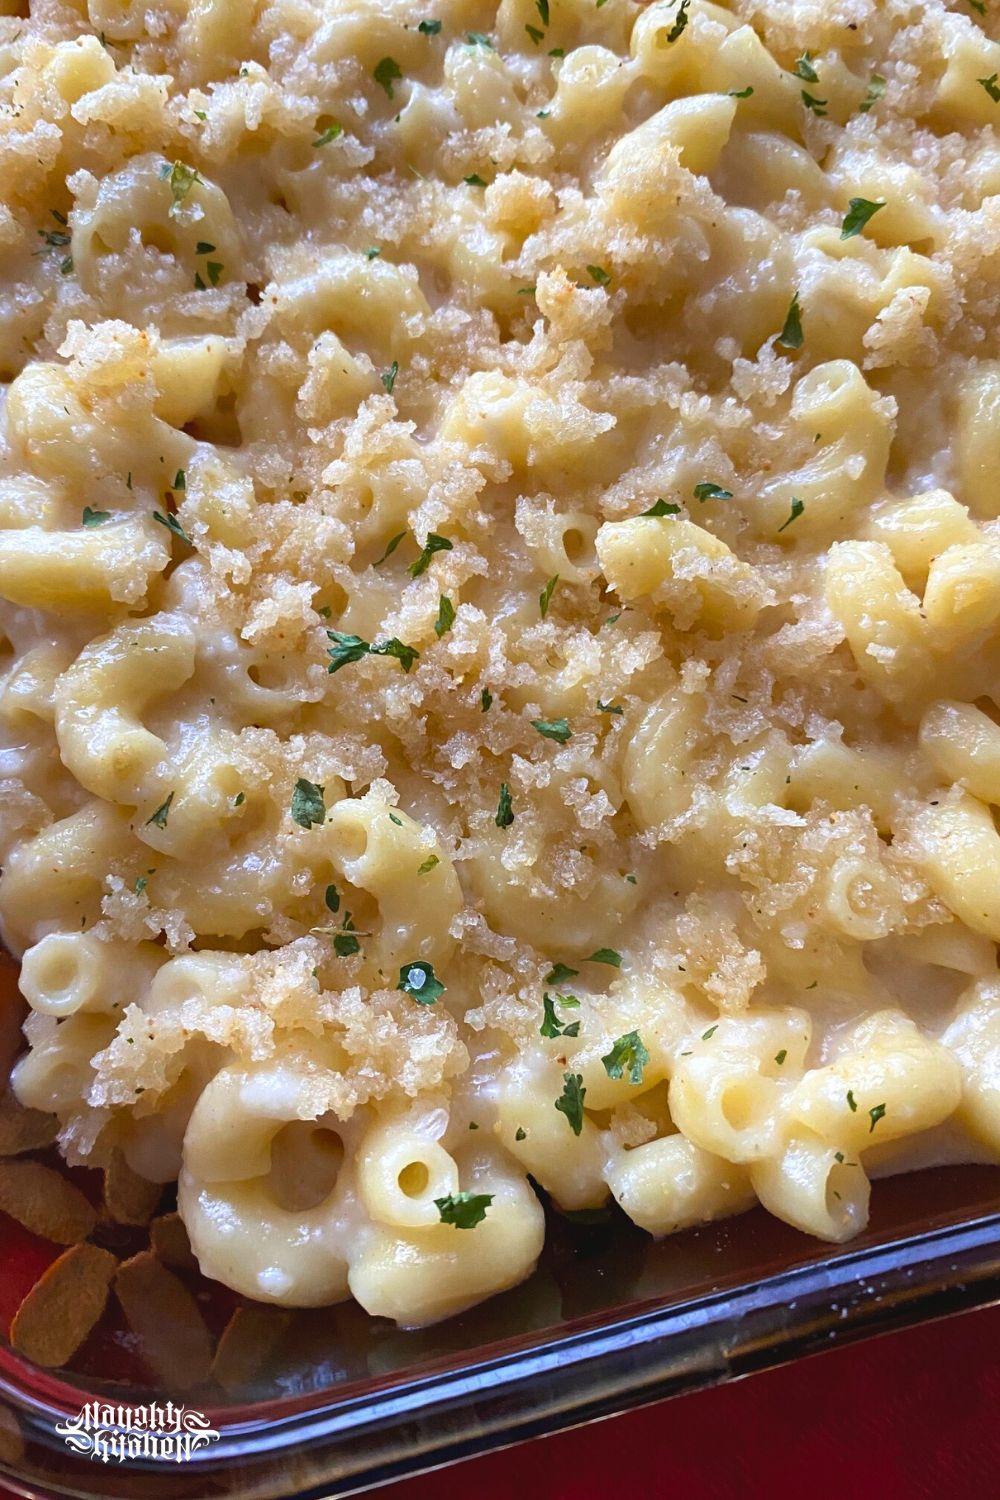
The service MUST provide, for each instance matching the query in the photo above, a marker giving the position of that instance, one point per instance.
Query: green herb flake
(180, 480)
(790, 336)
(215, 269)
(818, 106)
(545, 597)
(627, 1053)
(463, 1210)
(520, 1134)
(388, 377)
(680, 22)
(405, 655)
(473, 1125)
(445, 616)
(798, 508)
(162, 813)
(418, 980)
(876, 1114)
(239, 799)
(804, 69)
(570, 1101)
(390, 549)
(308, 806)
(609, 956)
(345, 649)
(345, 944)
(204, 248)
(429, 28)
(542, 7)
(329, 134)
(201, 114)
(140, 885)
(707, 1036)
(553, 729)
(386, 73)
(373, 252)
(990, 85)
(559, 973)
(876, 91)
(859, 211)
(740, 93)
(433, 544)
(485, 701)
(474, 180)
(609, 708)
(536, 35)
(430, 863)
(479, 39)
(658, 508)
(599, 274)
(505, 808)
(332, 898)
(551, 1025)
(94, 517)
(709, 491)
(779, 1057)
(181, 179)
(172, 524)
(852, 1103)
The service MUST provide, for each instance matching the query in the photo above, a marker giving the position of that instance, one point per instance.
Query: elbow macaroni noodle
(500, 615)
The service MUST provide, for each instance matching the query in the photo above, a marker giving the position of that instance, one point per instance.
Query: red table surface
(900, 1417)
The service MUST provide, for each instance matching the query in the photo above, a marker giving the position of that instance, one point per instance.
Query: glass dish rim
(617, 1362)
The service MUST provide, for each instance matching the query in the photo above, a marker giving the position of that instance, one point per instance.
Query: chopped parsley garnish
(201, 114)
(446, 616)
(545, 597)
(388, 377)
(798, 506)
(536, 35)
(553, 729)
(429, 28)
(818, 106)
(433, 544)
(94, 517)
(876, 90)
(204, 248)
(474, 180)
(171, 522)
(659, 508)
(373, 252)
(350, 648)
(542, 7)
(385, 74)
(599, 274)
(478, 39)
(485, 701)
(162, 813)
(680, 21)
(570, 1101)
(181, 179)
(390, 549)
(608, 956)
(505, 808)
(463, 1210)
(875, 1115)
(419, 981)
(140, 884)
(329, 134)
(308, 806)
(332, 898)
(215, 269)
(709, 491)
(790, 336)
(56, 239)
(707, 1036)
(345, 944)
(628, 1052)
(740, 93)
(559, 973)
(239, 799)
(804, 69)
(551, 1025)
(990, 85)
(430, 863)
(609, 708)
(852, 1103)
(859, 211)
(779, 1057)
(180, 480)
(520, 1134)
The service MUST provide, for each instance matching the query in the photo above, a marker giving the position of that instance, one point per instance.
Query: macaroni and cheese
(500, 611)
